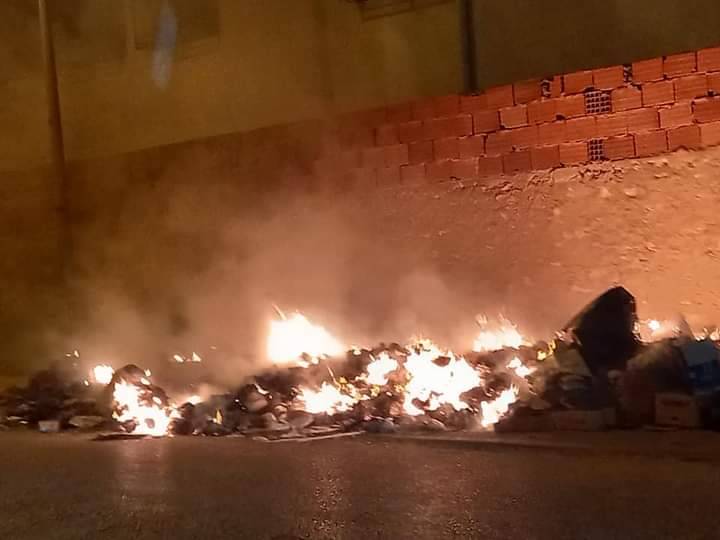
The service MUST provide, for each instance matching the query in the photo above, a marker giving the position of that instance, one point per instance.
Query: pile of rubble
(596, 373)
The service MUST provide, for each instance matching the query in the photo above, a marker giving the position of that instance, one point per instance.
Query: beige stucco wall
(272, 63)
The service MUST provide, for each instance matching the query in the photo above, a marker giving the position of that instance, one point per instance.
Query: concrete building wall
(268, 63)
(525, 39)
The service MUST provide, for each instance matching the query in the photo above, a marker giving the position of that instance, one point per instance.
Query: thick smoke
(181, 267)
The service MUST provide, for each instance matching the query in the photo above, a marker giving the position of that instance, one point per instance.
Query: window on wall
(195, 22)
(88, 31)
(372, 9)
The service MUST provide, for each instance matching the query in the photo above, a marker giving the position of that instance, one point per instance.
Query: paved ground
(685, 445)
(66, 487)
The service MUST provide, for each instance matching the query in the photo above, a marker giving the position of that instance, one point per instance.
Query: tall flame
(329, 399)
(496, 337)
(379, 369)
(147, 418)
(103, 374)
(493, 411)
(295, 336)
(437, 384)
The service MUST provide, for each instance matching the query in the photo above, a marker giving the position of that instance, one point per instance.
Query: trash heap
(597, 373)
(601, 375)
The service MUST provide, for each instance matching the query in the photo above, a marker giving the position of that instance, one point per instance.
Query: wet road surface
(66, 487)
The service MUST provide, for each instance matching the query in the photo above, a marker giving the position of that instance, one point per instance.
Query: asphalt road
(66, 487)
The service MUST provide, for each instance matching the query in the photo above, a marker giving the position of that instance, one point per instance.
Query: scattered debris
(565, 175)
(605, 368)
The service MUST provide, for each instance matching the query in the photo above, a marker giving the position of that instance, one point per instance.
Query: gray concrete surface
(66, 487)
(652, 442)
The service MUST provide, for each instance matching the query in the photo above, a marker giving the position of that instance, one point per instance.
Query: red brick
(648, 70)
(497, 143)
(500, 96)
(573, 153)
(446, 148)
(452, 126)
(650, 143)
(580, 81)
(524, 137)
(684, 137)
(680, 64)
(386, 134)
(348, 159)
(409, 132)
(396, 155)
(354, 136)
(692, 86)
(439, 170)
(709, 59)
(465, 168)
(514, 116)
(517, 162)
(609, 78)
(551, 133)
(714, 83)
(642, 119)
(486, 121)
(707, 110)
(471, 146)
(324, 167)
(710, 134)
(545, 157)
(624, 99)
(556, 86)
(373, 158)
(490, 166)
(388, 176)
(470, 104)
(680, 114)
(423, 109)
(659, 93)
(447, 105)
(620, 147)
(544, 110)
(399, 113)
(420, 152)
(527, 91)
(581, 129)
(610, 125)
(360, 178)
(571, 106)
(412, 173)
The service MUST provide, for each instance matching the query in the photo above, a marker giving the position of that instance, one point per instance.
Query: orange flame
(292, 338)
(102, 374)
(148, 419)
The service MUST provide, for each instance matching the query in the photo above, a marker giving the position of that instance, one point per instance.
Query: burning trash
(603, 360)
(140, 407)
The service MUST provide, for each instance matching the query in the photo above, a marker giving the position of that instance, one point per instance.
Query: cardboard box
(583, 420)
(701, 358)
(678, 410)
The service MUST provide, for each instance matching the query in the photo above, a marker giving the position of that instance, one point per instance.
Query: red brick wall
(637, 110)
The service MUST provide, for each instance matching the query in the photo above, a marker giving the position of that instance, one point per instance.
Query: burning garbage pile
(603, 369)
